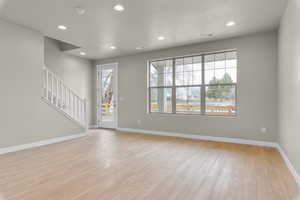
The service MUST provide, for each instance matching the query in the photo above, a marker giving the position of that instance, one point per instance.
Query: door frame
(98, 99)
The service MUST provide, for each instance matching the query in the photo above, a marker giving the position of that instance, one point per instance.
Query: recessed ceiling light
(62, 27)
(161, 38)
(231, 23)
(139, 48)
(119, 8)
(82, 53)
(112, 47)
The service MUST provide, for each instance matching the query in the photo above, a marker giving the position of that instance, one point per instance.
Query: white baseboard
(39, 143)
(289, 165)
(202, 137)
(223, 139)
(181, 135)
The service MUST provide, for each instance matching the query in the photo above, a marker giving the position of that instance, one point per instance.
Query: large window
(203, 84)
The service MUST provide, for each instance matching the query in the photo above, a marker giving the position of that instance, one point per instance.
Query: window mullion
(203, 103)
(173, 87)
(149, 100)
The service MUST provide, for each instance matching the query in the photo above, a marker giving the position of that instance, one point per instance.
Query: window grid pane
(188, 100)
(188, 71)
(161, 100)
(161, 73)
(220, 68)
(220, 100)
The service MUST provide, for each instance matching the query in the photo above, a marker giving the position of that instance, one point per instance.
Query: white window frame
(202, 86)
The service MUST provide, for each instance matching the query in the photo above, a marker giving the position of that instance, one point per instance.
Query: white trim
(181, 135)
(191, 55)
(202, 137)
(57, 76)
(40, 143)
(116, 86)
(78, 112)
(289, 164)
(62, 112)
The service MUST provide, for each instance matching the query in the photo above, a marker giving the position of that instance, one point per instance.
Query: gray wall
(24, 116)
(257, 91)
(289, 82)
(76, 72)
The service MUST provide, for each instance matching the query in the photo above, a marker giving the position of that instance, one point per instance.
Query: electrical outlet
(139, 122)
(263, 130)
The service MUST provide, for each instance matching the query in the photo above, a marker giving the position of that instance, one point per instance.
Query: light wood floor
(120, 166)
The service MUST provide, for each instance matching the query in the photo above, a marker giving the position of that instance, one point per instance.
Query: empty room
(149, 100)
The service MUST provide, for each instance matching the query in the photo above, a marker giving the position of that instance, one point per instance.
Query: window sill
(194, 115)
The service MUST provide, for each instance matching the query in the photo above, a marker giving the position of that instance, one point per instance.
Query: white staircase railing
(64, 98)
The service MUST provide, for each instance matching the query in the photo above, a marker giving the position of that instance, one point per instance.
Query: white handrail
(64, 98)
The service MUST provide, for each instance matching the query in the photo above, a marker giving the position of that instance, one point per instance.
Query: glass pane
(168, 79)
(188, 71)
(209, 62)
(232, 63)
(221, 68)
(220, 100)
(210, 77)
(188, 100)
(188, 64)
(161, 100)
(231, 55)
(179, 78)
(161, 73)
(220, 76)
(188, 78)
(107, 96)
(232, 73)
(231, 59)
(179, 65)
(197, 77)
(153, 74)
(197, 63)
(220, 61)
(169, 65)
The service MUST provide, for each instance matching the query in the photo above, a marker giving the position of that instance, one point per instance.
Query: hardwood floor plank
(113, 165)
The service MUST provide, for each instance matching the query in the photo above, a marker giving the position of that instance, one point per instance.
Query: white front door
(107, 95)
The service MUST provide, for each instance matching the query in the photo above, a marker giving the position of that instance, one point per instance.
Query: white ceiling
(181, 22)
